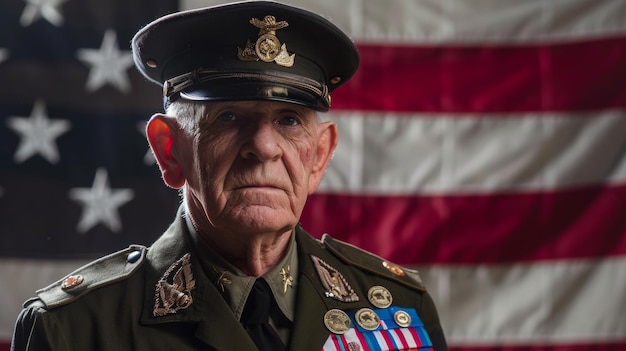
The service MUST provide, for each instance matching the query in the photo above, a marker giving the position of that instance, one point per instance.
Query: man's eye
(289, 121)
(226, 117)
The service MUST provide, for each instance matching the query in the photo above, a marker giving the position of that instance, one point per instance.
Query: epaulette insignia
(334, 282)
(393, 268)
(171, 297)
(72, 281)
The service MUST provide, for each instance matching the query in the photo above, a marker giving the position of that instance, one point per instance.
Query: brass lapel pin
(285, 273)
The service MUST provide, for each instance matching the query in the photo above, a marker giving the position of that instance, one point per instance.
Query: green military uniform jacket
(110, 304)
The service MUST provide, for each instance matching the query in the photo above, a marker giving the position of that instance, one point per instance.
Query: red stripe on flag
(570, 76)
(494, 228)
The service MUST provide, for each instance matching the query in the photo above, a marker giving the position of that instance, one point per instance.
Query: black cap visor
(207, 85)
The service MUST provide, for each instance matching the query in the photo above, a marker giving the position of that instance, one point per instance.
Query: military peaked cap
(256, 50)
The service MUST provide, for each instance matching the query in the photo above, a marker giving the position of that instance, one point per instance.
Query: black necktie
(254, 318)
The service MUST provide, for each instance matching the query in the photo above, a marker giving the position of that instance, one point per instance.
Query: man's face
(251, 165)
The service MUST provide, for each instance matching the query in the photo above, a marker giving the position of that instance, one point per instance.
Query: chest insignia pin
(334, 282)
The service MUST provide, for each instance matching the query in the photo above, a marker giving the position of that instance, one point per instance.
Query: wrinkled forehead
(250, 109)
(259, 108)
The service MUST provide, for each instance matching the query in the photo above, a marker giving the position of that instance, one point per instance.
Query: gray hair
(187, 113)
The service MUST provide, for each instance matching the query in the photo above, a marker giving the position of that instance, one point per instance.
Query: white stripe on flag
(460, 21)
(411, 154)
(549, 302)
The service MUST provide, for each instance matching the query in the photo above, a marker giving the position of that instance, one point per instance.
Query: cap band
(202, 76)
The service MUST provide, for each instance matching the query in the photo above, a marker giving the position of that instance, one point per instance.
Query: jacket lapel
(221, 330)
(216, 324)
(310, 332)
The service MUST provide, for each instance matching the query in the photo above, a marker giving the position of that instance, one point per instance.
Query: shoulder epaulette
(103, 271)
(367, 261)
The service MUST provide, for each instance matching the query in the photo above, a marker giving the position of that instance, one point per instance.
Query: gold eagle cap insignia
(173, 290)
(267, 47)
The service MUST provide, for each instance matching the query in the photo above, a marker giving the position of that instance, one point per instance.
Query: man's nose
(262, 142)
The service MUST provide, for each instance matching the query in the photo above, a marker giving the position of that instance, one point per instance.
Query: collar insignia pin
(173, 290)
(267, 47)
(336, 285)
(285, 273)
(221, 278)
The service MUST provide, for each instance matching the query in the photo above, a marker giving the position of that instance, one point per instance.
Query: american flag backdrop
(481, 141)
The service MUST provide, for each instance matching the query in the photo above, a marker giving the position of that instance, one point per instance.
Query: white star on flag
(38, 134)
(108, 64)
(46, 9)
(100, 203)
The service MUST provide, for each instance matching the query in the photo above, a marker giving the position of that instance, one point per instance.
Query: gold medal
(379, 296)
(367, 319)
(402, 318)
(337, 321)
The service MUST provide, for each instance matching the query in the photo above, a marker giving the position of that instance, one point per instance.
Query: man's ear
(324, 152)
(161, 132)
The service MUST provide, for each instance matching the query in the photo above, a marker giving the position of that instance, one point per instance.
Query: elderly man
(241, 138)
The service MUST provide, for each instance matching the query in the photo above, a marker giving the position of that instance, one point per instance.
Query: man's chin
(262, 219)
